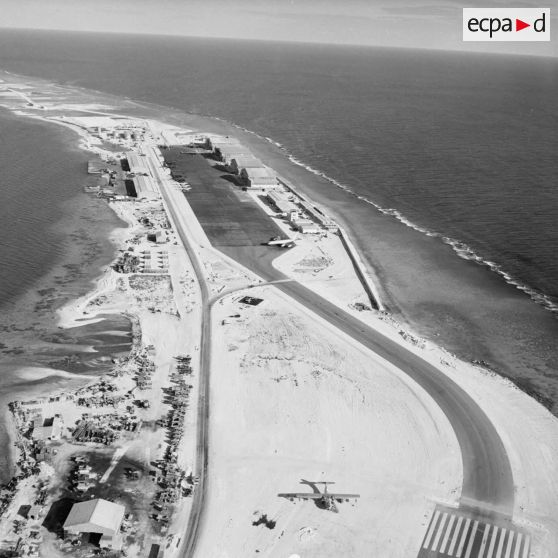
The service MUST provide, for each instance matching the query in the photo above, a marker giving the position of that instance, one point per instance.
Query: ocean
(53, 242)
(441, 166)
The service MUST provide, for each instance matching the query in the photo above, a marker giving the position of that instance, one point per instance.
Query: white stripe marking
(455, 536)
(501, 543)
(431, 529)
(484, 539)
(448, 530)
(463, 537)
(509, 544)
(526, 547)
(517, 545)
(492, 542)
(472, 540)
(440, 529)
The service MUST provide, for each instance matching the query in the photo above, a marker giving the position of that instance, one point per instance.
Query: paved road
(488, 480)
(189, 541)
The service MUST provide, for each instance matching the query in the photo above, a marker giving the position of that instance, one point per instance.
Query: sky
(430, 24)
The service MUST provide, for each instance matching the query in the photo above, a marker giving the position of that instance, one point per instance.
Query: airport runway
(488, 480)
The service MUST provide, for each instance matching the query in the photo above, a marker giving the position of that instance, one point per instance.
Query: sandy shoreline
(320, 362)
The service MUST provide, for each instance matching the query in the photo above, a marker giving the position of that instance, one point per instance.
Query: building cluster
(148, 261)
(301, 215)
(144, 186)
(238, 160)
(35, 447)
(154, 261)
(125, 131)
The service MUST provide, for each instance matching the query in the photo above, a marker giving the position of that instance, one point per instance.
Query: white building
(49, 429)
(136, 163)
(258, 178)
(280, 201)
(319, 217)
(302, 224)
(240, 162)
(99, 517)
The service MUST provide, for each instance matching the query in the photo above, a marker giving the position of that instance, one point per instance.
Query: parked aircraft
(326, 500)
(282, 242)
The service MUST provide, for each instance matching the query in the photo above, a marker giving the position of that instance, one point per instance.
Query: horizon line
(275, 41)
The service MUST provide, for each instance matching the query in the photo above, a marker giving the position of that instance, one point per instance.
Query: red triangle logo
(519, 25)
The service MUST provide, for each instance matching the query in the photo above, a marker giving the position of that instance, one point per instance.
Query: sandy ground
(292, 399)
(170, 334)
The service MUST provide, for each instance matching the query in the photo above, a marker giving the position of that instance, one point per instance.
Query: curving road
(488, 480)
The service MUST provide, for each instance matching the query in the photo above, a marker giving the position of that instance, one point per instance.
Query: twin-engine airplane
(325, 500)
(282, 242)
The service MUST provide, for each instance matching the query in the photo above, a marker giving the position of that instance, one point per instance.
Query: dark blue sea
(442, 166)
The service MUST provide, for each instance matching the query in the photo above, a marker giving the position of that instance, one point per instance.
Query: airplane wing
(306, 495)
(341, 496)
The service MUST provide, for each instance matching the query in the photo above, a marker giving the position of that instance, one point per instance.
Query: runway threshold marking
(456, 534)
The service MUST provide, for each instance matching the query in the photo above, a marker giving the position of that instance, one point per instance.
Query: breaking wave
(462, 249)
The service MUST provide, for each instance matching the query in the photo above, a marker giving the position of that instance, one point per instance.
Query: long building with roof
(320, 218)
(258, 178)
(240, 162)
(229, 152)
(145, 187)
(136, 163)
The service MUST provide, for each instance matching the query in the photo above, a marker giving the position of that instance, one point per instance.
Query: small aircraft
(282, 242)
(325, 500)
